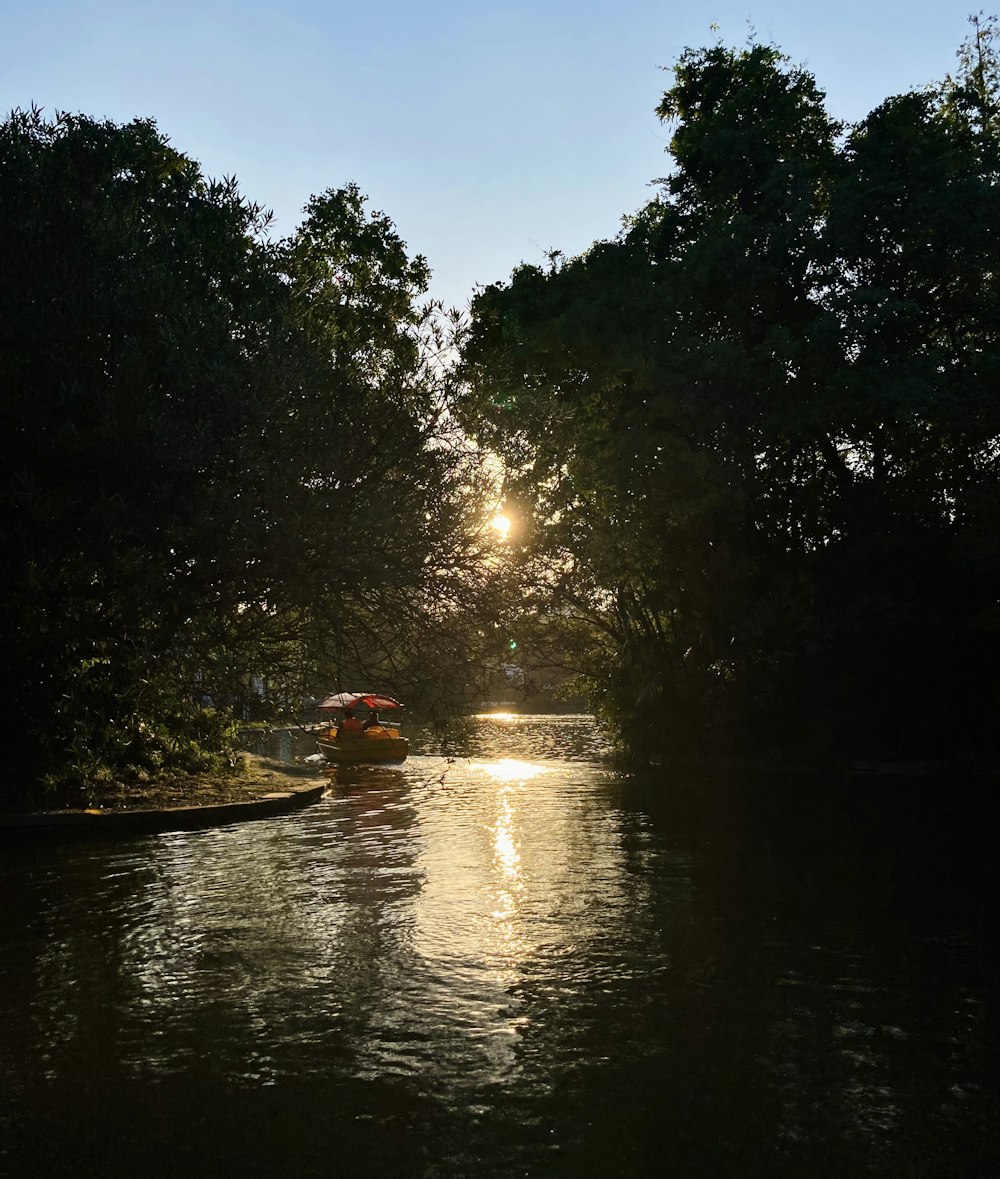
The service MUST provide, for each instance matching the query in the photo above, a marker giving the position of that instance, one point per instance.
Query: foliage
(763, 420)
(226, 471)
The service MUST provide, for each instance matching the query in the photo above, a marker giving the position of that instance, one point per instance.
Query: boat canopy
(373, 700)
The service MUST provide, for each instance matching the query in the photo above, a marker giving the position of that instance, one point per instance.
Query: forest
(749, 445)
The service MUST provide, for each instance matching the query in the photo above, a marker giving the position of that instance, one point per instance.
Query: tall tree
(765, 415)
(225, 459)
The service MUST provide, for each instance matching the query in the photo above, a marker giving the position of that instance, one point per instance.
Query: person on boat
(350, 726)
(373, 722)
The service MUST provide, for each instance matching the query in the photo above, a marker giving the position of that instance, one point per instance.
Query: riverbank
(259, 788)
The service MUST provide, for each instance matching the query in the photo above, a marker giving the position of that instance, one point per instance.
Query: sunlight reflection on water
(502, 957)
(510, 769)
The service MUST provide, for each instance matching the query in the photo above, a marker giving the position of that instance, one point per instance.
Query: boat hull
(364, 750)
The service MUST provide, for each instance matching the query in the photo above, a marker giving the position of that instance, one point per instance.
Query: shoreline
(268, 787)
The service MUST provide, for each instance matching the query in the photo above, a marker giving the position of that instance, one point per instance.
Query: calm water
(515, 961)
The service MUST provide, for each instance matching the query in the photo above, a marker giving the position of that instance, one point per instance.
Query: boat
(378, 744)
(374, 748)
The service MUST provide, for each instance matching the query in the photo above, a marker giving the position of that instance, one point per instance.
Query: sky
(490, 133)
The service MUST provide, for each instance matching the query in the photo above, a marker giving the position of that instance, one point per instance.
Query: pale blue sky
(489, 133)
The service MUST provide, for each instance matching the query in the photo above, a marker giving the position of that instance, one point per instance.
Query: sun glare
(510, 769)
(501, 525)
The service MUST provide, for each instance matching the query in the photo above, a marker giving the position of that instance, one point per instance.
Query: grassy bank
(251, 778)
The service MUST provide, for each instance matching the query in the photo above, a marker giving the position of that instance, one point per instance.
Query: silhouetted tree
(758, 430)
(224, 459)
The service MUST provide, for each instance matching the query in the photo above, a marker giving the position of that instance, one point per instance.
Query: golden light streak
(509, 769)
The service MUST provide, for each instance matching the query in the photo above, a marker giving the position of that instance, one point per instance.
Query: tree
(139, 350)
(763, 419)
(225, 459)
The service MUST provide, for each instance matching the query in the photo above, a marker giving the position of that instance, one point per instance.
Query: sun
(501, 525)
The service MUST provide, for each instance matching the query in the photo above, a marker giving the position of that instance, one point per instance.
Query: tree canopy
(757, 432)
(227, 466)
(751, 444)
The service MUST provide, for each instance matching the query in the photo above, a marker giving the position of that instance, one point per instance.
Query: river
(509, 958)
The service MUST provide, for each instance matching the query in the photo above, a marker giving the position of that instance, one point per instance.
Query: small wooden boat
(376, 744)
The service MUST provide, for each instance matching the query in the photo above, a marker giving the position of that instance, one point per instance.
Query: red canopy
(374, 700)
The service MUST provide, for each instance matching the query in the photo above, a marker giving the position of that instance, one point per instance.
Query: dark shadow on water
(181, 1128)
(365, 778)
